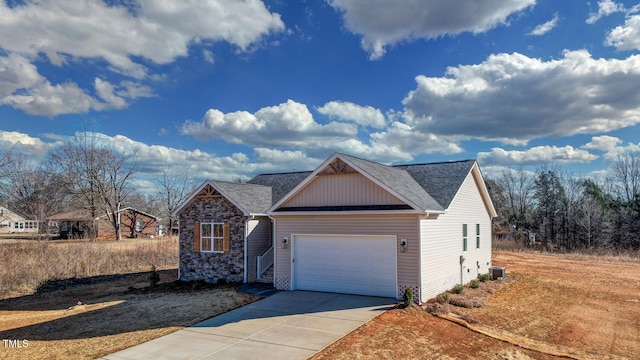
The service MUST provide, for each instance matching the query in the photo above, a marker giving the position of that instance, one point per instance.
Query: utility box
(497, 273)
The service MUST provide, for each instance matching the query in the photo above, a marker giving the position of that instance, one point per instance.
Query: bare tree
(114, 174)
(98, 174)
(626, 174)
(33, 190)
(175, 184)
(518, 186)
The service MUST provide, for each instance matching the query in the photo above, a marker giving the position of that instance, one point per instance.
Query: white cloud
(347, 111)
(603, 143)
(605, 8)
(51, 100)
(24, 88)
(514, 98)
(287, 124)
(133, 90)
(125, 35)
(291, 125)
(208, 56)
(159, 31)
(612, 154)
(546, 27)
(23, 143)
(384, 23)
(407, 140)
(106, 92)
(538, 155)
(626, 37)
(284, 159)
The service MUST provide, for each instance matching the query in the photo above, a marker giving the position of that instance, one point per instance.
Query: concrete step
(267, 277)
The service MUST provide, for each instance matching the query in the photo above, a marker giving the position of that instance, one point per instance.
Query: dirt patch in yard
(94, 317)
(582, 303)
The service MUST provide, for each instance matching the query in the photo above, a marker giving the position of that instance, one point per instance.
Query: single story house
(77, 224)
(349, 226)
(11, 222)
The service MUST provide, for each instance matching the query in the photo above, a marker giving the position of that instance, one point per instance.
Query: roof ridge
(285, 172)
(233, 182)
(436, 162)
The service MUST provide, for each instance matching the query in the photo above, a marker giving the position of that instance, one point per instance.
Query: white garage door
(351, 264)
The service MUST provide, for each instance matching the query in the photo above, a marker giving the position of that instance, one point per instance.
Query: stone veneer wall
(211, 267)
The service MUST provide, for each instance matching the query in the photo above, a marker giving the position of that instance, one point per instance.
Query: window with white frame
(464, 237)
(211, 237)
(139, 225)
(477, 236)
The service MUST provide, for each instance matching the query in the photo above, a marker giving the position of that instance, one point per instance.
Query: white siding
(342, 189)
(441, 242)
(258, 241)
(403, 226)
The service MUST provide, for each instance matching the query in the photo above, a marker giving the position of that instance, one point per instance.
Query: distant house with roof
(11, 222)
(349, 226)
(77, 224)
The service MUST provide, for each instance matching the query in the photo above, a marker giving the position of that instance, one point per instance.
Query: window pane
(217, 230)
(218, 244)
(205, 230)
(206, 244)
(464, 230)
(477, 229)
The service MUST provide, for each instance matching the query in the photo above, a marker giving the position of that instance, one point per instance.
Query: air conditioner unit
(497, 273)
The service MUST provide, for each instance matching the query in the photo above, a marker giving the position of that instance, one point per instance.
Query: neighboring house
(350, 226)
(77, 224)
(11, 222)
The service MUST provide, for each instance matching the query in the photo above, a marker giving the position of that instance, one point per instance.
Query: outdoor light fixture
(403, 244)
(285, 241)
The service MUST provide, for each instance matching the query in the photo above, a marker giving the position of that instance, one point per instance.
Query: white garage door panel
(364, 265)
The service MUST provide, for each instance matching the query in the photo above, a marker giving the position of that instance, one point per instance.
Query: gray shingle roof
(430, 186)
(441, 180)
(255, 199)
(280, 183)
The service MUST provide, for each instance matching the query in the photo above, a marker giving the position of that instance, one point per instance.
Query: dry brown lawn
(116, 313)
(585, 305)
(28, 264)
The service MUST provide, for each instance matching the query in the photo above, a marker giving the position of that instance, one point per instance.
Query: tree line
(563, 212)
(87, 174)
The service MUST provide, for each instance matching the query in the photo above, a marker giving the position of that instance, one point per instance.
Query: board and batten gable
(441, 240)
(342, 189)
(403, 226)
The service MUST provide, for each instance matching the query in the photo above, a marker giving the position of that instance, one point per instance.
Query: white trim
(213, 238)
(275, 249)
(351, 212)
(197, 191)
(244, 266)
(478, 180)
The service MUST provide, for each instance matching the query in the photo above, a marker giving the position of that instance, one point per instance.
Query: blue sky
(234, 88)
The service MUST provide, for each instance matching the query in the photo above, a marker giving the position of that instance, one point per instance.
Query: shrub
(154, 277)
(475, 283)
(408, 297)
(458, 289)
(443, 298)
(483, 277)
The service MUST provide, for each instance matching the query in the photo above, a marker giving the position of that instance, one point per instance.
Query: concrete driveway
(286, 325)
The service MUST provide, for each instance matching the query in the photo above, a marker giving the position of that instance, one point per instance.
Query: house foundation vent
(497, 273)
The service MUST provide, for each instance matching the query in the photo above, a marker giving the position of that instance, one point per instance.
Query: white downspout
(170, 234)
(246, 257)
(275, 248)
